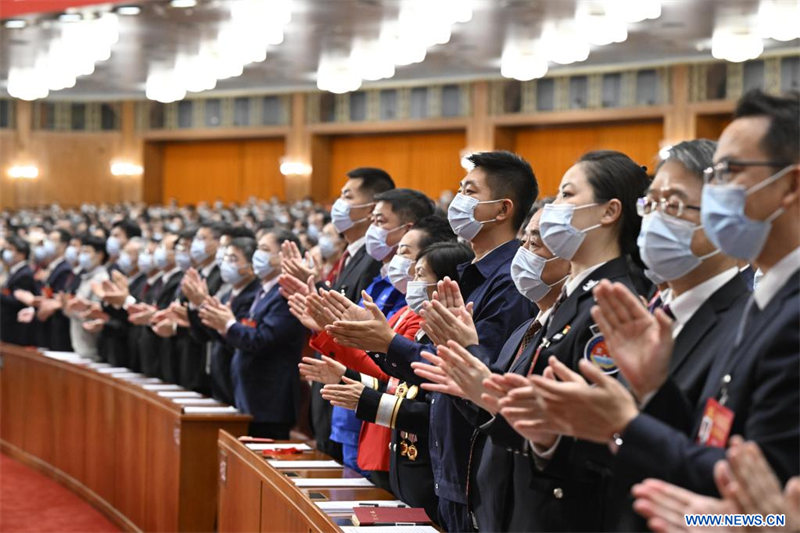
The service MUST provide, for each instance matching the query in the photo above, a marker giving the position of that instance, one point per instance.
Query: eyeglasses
(672, 206)
(724, 171)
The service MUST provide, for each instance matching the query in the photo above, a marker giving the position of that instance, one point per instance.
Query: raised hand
(290, 285)
(113, 293)
(344, 309)
(26, 315)
(47, 308)
(443, 324)
(640, 343)
(448, 293)
(297, 306)
(194, 287)
(436, 378)
(373, 335)
(94, 326)
(26, 298)
(325, 370)
(292, 262)
(664, 506)
(346, 395)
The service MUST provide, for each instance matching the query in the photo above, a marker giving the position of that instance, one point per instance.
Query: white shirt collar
(207, 269)
(16, 268)
(542, 317)
(267, 285)
(356, 245)
(684, 307)
(574, 283)
(776, 278)
(54, 264)
(152, 279)
(168, 275)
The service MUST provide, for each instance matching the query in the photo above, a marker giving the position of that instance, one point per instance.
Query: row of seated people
(619, 363)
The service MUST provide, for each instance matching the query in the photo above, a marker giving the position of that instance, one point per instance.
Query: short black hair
(782, 140)
(509, 176)
(282, 235)
(97, 243)
(443, 258)
(63, 235)
(217, 229)
(373, 180)
(436, 229)
(20, 244)
(695, 156)
(612, 175)
(408, 204)
(239, 231)
(246, 245)
(130, 227)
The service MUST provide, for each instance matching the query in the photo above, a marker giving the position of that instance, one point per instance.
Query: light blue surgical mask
(198, 251)
(262, 263)
(219, 258)
(40, 253)
(327, 246)
(71, 255)
(313, 231)
(230, 273)
(558, 233)
(160, 257)
(125, 263)
(376, 242)
(50, 247)
(526, 273)
(461, 215)
(397, 272)
(665, 245)
(85, 261)
(113, 246)
(417, 294)
(183, 260)
(340, 215)
(726, 224)
(146, 262)
(8, 256)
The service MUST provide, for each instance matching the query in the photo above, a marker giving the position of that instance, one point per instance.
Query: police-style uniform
(510, 489)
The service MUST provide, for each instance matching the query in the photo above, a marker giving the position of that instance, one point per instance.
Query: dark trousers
(454, 516)
(269, 430)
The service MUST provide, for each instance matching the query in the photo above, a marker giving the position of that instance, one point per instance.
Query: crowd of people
(611, 358)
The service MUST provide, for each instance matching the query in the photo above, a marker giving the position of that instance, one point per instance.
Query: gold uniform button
(558, 493)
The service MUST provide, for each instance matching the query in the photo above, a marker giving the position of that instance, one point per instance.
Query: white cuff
(130, 300)
(369, 381)
(647, 397)
(385, 410)
(230, 323)
(544, 455)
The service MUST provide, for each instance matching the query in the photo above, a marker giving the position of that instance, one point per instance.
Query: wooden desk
(130, 452)
(254, 496)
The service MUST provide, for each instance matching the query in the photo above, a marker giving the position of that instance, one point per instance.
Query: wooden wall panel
(227, 170)
(711, 126)
(551, 150)
(429, 162)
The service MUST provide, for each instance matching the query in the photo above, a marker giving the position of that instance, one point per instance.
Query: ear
(506, 209)
(792, 197)
(612, 212)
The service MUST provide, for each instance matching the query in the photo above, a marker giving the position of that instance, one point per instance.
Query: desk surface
(255, 496)
(134, 454)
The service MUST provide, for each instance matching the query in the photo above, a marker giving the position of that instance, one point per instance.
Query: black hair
(246, 245)
(20, 244)
(187, 234)
(63, 235)
(443, 258)
(695, 156)
(409, 205)
(509, 176)
(266, 224)
(283, 235)
(97, 243)
(436, 229)
(217, 229)
(373, 180)
(782, 139)
(128, 226)
(239, 231)
(612, 175)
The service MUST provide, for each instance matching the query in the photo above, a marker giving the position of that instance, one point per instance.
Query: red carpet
(30, 501)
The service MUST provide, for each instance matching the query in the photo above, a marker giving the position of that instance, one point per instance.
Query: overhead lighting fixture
(777, 19)
(736, 44)
(183, 4)
(523, 60)
(126, 168)
(15, 24)
(294, 168)
(27, 172)
(70, 17)
(128, 10)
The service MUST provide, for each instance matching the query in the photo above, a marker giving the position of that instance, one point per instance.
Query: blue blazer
(264, 369)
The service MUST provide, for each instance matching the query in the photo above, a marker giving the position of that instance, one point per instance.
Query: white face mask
(461, 215)
(417, 294)
(526, 272)
(398, 272)
(327, 246)
(558, 233)
(340, 215)
(665, 244)
(376, 244)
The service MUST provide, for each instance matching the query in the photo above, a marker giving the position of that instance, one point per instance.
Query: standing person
(91, 259)
(20, 277)
(351, 215)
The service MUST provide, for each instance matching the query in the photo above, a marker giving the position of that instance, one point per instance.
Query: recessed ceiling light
(70, 17)
(129, 10)
(183, 3)
(15, 24)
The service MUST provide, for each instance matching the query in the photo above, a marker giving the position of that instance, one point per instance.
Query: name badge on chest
(715, 427)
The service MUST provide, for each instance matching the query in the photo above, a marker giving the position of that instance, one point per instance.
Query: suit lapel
(516, 338)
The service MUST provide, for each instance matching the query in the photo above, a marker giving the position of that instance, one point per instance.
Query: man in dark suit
(351, 215)
(268, 344)
(20, 277)
(236, 271)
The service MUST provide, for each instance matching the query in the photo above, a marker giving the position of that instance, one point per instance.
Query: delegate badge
(596, 352)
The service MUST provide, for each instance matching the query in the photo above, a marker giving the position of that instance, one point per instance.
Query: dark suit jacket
(508, 491)
(10, 330)
(763, 393)
(53, 333)
(266, 379)
(354, 278)
(221, 351)
(154, 353)
(113, 340)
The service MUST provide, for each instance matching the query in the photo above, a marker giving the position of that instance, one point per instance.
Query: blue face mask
(113, 246)
(230, 273)
(727, 226)
(160, 258)
(183, 260)
(146, 262)
(327, 247)
(417, 294)
(50, 248)
(220, 256)
(198, 251)
(8, 256)
(398, 272)
(376, 244)
(71, 255)
(665, 244)
(85, 261)
(125, 263)
(261, 263)
(40, 254)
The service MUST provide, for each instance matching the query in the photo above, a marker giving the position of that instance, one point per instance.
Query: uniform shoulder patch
(597, 353)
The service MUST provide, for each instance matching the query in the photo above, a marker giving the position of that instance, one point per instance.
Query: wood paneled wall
(429, 162)
(227, 170)
(711, 126)
(73, 168)
(551, 150)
